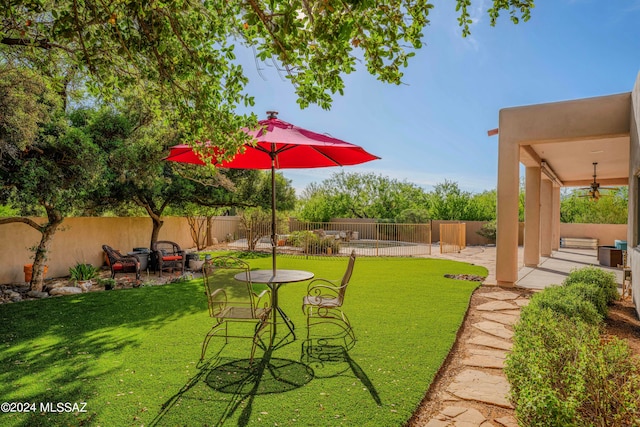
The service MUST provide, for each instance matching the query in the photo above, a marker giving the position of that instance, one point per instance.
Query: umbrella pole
(274, 240)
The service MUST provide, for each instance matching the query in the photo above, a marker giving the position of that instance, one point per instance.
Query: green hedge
(596, 276)
(561, 370)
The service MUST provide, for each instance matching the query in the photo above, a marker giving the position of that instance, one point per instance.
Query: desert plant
(82, 271)
(108, 283)
(488, 231)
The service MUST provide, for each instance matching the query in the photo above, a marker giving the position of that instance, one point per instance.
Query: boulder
(66, 290)
(37, 294)
(13, 296)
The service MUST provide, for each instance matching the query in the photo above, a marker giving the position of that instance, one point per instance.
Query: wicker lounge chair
(122, 263)
(167, 256)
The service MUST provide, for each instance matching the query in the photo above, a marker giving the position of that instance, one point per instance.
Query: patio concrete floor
(551, 270)
(554, 269)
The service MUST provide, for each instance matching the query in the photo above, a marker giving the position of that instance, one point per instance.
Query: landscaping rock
(507, 421)
(470, 277)
(495, 329)
(491, 342)
(57, 284)
(66, 290)
(505, 319)
(37, 294)
(502, 295)
(12, 295)
(477, 385)
(482, 358)
(496, 306)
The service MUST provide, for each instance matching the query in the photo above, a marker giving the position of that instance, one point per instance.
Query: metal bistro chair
(324, 299)
(243, 306)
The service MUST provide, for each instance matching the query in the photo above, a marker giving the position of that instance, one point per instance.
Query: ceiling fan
(594, 188)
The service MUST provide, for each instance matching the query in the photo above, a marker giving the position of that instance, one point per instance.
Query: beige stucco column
(507, 216)
(546, 217)
(532, 217)
(555, 226)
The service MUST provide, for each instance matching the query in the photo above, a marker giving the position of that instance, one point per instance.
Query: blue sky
(434, 126)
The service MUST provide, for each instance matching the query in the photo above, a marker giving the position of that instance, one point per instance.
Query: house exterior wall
(634, 190)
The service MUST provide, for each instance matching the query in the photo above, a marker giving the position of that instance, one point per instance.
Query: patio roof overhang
(566, 138)
(557, 142)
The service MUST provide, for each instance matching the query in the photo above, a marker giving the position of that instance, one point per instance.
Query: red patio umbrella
(281, 145)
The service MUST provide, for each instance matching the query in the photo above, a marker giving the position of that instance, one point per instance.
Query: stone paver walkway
(476, 394)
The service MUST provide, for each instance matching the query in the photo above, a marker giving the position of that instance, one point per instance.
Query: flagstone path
(471, 390)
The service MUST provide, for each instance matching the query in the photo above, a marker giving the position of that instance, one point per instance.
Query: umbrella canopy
(292, 147)
(281, 145)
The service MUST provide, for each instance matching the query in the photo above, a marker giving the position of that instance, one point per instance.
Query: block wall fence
(81, 238)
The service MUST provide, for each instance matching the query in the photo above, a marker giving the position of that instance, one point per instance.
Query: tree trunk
(209, 230)
(155, 214)
(157, 225)
(42, 250)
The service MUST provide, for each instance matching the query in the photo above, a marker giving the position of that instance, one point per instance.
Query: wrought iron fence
(337, 238)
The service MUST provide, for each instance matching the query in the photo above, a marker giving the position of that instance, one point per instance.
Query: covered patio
(553, 270)
(558, 144)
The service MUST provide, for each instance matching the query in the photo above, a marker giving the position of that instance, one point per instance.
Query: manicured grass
(132, 355)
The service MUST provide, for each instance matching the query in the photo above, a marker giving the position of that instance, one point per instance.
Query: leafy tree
(611, 208)
(56, 175)
(449, 202)
(413, 216)
(135, 142)
(359, 195)
(27, 103)
(483, 206)
(256, 223)
(182, 53)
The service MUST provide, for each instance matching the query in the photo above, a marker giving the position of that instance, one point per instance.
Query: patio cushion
(171, 258)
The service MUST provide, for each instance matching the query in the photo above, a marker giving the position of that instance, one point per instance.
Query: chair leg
(208, 337)
(256, 339)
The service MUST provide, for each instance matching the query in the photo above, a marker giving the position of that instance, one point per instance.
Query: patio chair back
(347, 276)
(230, 300)
(324, 299)
(167, 255)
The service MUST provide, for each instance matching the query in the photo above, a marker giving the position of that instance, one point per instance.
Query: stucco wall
(634, 190)
(81, 239)
(606, 234)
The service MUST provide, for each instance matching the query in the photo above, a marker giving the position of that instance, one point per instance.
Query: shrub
(590, 292)
(561, 371)
(489, 231)
(543, 368)
(605, 279)
(570, 302)
(311, 243)
(82, 271)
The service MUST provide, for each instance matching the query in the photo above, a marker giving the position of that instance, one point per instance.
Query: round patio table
(274, 282)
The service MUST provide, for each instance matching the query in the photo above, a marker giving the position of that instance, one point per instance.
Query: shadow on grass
(59, 342)
(244, 381)
(328, 356)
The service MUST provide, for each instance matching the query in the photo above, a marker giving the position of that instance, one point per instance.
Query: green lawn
(132, 355)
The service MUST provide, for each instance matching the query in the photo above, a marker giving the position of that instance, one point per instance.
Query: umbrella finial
(272, 114)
